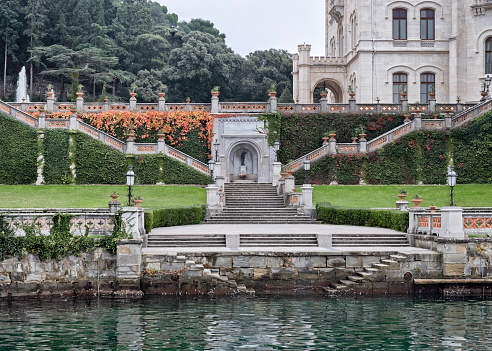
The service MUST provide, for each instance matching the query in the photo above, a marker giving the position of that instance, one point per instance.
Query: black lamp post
(276, 145)
(216, 146)
(307, 167)
(487, 84)
(452, 182)
(211, 166)
(130, 180)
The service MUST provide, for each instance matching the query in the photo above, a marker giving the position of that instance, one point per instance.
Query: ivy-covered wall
(18, 152)
(421, 156)
(94, 162)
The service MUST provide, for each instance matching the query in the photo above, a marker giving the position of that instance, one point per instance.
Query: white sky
(251, 25)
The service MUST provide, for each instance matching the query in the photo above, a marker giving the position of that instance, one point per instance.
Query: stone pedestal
(79, 104)
(133, 221)
(418, 121)
(452, 222)
(129, 264)
(213, 200)
(277, 167)
(332, 146)
(402, 205)
(50, 104)
(215, 105)
(290, 184)
(133, 104)
(114, 206)
(352, 106)
(162, 104)
(307, 200)
(73, 122)
(272, 104)
(323, 105)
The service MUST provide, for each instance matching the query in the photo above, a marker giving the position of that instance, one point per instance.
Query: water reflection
(246, 324)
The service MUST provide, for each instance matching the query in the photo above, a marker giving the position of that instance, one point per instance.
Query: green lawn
(97, 196)
(373, 196)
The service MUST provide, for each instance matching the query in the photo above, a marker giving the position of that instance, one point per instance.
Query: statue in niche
(243, 157)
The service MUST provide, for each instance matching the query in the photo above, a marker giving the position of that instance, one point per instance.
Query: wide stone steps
(250, 203)
(370, 240)
(275, 240)
(156, 240)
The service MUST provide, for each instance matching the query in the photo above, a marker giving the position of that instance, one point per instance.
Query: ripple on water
(246, 324)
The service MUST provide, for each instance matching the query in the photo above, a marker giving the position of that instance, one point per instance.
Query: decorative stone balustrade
(471, 221)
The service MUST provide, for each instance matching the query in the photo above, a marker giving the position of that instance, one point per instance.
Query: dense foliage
(190, 132)
(392, 219)
(18, 152)
(60, 243)
(168, 217)
(111, 47)
(56, 168)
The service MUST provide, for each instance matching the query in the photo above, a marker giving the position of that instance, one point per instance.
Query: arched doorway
(243, 162)
(332, 87)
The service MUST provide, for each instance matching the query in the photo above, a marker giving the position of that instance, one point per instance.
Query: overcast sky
(251, 25)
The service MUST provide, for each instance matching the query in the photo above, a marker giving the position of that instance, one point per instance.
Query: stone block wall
(28, 276)
(284, 273)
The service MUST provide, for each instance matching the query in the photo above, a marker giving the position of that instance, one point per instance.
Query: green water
(246, 324)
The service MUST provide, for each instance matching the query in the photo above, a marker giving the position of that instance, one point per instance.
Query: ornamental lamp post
(216, 146)
(307, 167)
(452, 181)
(276, 145)
(211, 166)
(130, 180)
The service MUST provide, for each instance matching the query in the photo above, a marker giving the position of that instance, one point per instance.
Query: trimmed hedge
(392, 219)
(18, 152)
(56, 157)
(169, 217)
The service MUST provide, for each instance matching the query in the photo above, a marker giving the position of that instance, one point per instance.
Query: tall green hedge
(56, 161)
(392, 219)
(169, 217)
(18, 152)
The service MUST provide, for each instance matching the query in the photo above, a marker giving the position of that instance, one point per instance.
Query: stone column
(452, 222)
(277, 167)
(304, 66)
(129, 264)
(130, 143)
(418, 121)
(432, 105)
(106, 105)
(162, 103)
(448, 122)
(161, 145)
(307, 199)
(290, 183)
(412, 220)
(79, 103)
(114, 206)
(41, 120)
(352, 105)
(72, 122)
(50, 103)
(215, 104)
(323, 105)
(402, 205)
(133, 103)
(332, 146)
(404, 105)
(133, 221)
(272, 102)
(362, 144)
(213, 200)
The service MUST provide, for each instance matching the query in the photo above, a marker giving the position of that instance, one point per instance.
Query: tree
(202, 62)
(201, 25)
(10, 25)
(36, 20)
(263, 69)
(286, 97)
(148, 84)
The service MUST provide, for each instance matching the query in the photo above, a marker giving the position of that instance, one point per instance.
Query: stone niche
(244, 153)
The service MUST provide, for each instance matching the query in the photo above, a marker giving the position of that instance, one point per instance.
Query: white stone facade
(449, 40)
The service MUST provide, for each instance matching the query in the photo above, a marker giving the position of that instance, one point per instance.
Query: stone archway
(335, 91)
(243, 162)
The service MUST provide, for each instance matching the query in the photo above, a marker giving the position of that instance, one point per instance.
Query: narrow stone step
(355, 278)
(347, 282)
(338, 286)
(380, 265)
(365, 274)
(371, 270)
(398, 257)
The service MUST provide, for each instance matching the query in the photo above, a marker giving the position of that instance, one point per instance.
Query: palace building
(380, 48)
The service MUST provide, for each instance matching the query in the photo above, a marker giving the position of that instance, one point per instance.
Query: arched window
(488, 56)
(399, 86)
(399, 24)
(427, 24)
(427, 85)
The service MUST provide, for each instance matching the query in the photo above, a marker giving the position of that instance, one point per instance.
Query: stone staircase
(370, 240)
(209, 240)
(193, 270)
(369, 274)
(256, 203)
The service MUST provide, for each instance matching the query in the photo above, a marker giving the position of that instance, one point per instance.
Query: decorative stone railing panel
(348, 148)
(286, 108)
(338, 108)
(433, 124)
(176, 107)
(63, 107)
(90, 221)
(243, 107)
